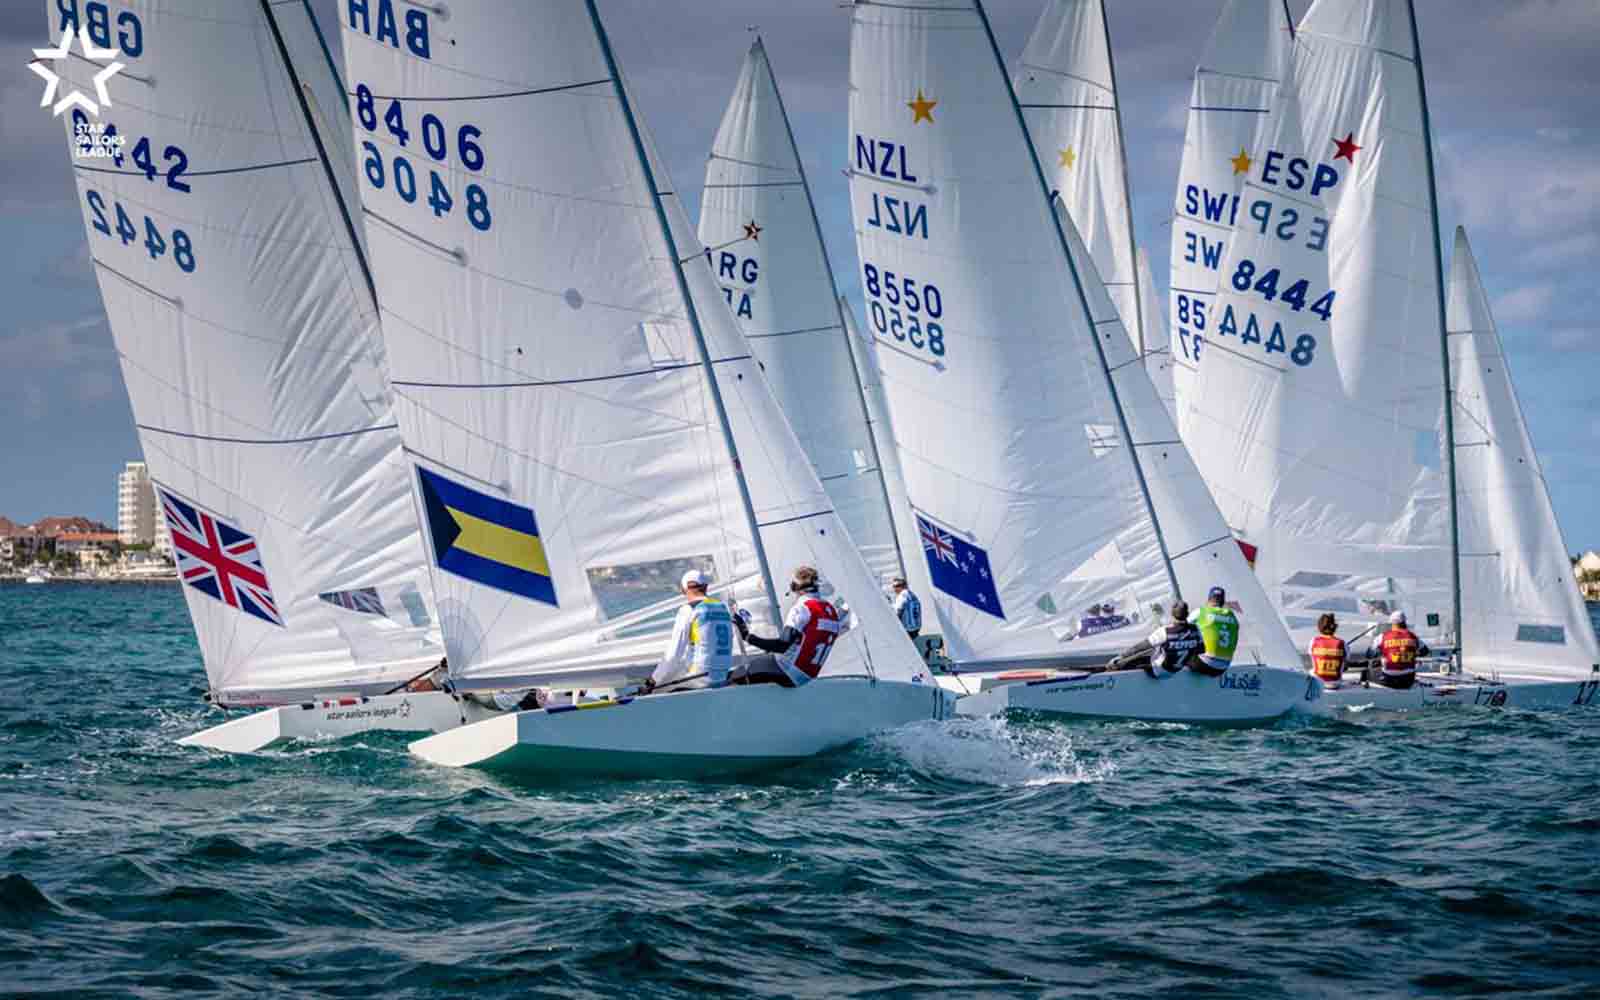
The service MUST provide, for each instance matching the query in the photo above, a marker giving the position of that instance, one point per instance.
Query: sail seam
(1356, 45)
(1076, 107)
(169, 300)
(753, 184)
(203, 173)
(1218, 107)
(299, 440)
(853, 172)
(797, 517)
(559, 382)
(1197, 548)
(1096, 84)
(792, 333)
(491, 97)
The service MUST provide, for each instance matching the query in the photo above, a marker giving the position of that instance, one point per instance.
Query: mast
(322, 151)
(838, 302)
(689, 309)
(1127, 193)
(1083, 299)
(1444, 337)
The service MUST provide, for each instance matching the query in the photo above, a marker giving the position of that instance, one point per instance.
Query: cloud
(1524, 305)
(1571, 338)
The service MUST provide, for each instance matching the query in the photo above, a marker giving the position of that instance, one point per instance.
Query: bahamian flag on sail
(485, 539)
(959, 568)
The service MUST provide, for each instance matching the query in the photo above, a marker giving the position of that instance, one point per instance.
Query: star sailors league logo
(218, 559)
(52, 78)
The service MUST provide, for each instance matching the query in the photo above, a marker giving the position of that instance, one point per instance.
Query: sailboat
(762, 239)
(236, 290)
(1328, 399)
(1527, 640)
(1066, 85)
(1058, 513)
(583, 419)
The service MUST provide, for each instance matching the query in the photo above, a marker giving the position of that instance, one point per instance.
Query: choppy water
(1442, 854)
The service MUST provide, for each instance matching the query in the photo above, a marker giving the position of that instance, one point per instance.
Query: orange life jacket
(1327, 657)
(1399, 650)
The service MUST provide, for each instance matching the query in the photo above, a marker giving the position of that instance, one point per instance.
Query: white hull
(693, 734)
(335, 718)
(1245, 695)
(1434, 690)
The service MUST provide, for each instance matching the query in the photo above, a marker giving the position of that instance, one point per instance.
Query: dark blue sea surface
(1439, 854)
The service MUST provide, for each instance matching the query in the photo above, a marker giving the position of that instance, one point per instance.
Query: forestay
(1521, 610)
(1235, 86)
(569, 454)
(1066, 83)
(1318, 409)
(1040, 536)
(249, 342)
(758, 225)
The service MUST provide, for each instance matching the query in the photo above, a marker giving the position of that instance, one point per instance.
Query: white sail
(249, 342)
(1039, 522)
(865, 351)
(1317, 413)
(1235, 86)
(1158, 352)
(759, 227)
(1521, 610)
(544, 302)
(1066, 84)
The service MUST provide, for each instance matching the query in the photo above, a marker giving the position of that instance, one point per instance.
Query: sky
(1513, 89)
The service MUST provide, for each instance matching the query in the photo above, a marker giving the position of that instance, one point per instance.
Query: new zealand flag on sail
(218, 559)
(959, 569)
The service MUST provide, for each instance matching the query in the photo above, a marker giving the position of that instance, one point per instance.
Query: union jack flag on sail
(364, 600)
(218, 559)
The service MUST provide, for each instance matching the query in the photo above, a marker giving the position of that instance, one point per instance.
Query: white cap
(1397, 618)
(694, 578)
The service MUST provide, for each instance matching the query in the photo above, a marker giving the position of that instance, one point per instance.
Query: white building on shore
(139, 520)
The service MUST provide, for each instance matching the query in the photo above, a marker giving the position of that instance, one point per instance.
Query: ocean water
(1441, 854)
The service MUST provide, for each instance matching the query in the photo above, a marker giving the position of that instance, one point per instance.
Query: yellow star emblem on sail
(1068, 157)
(1241, 163)
(921, 108)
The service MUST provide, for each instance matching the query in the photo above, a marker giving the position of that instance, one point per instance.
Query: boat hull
(335, 718)
(1243, 696)
(702, 733)
(1434, 690)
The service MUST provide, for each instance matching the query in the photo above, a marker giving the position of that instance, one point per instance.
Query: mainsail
(1057, 510)
(1521, 610)
(1318, 411)
(249, 342)
(553, 325)
(762, 240)
(1157, 356)
(1235, 86)
(1066, 84)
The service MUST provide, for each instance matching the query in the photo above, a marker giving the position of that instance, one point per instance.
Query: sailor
(907, 607)
(700, 652)
(810, 629)
(1327, 651)
(1399, 648)
(1220, 630)
(1176, 645)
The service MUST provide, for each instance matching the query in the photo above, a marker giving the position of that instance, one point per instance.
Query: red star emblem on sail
(752, 231)
(1347, 148)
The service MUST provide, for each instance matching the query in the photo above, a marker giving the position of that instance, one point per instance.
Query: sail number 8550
(904, 309)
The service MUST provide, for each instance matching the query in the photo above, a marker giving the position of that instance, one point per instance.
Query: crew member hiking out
(1220, 630)
(907, 607)
(810, 629)
(1399, 648)
(1327, 651)
(700, 652)
(1166, 651)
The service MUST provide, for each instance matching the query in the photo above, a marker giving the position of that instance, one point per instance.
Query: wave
(991, 751)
